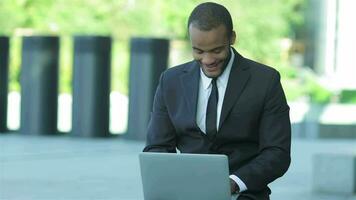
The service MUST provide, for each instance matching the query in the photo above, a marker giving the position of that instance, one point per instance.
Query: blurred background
(310, 42)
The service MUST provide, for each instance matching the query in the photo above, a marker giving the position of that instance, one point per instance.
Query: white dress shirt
(203, 97)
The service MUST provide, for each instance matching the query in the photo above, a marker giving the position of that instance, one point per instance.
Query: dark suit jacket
(254, 130)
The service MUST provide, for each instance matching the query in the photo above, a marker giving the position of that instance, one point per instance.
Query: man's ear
(233, 38)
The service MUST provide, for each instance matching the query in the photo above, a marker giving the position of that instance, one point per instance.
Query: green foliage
(293, 89)
(65, 65)
(318, 93)
(15, 62)
(120, 69)
(260, 26)
(348, 96)
(302, 82)
(287, 71)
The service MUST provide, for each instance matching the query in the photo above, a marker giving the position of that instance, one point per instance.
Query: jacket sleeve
(273, 159)
(161, 136)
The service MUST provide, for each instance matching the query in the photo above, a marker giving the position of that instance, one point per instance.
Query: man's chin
(213, 74)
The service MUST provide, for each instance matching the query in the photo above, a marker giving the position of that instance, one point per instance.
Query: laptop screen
(184, 176)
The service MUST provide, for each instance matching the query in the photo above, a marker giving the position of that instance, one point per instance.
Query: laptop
(169, 176)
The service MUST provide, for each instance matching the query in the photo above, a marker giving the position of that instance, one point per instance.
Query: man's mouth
(211, 68)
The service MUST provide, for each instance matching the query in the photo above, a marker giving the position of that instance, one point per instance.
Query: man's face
(211, 48)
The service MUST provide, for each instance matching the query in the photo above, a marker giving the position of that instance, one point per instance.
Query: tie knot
(213, 81)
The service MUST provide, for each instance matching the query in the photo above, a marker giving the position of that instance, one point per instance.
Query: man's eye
(217, 51)
(198, 51)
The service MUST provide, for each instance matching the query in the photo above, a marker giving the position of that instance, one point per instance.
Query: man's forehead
(195, 25)
(218, 32)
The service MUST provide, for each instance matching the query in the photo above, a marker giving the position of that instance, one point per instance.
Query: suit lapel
(190, 84)
(238, 78)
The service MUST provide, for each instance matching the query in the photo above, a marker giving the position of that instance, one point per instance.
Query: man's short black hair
(209, 15)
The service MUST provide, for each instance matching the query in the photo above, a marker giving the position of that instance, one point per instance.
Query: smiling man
(223, 103)
(211, 48)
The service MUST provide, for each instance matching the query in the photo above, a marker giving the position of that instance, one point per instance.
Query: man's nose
(207, 59)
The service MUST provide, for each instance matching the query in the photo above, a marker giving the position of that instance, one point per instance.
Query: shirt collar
(223, 78)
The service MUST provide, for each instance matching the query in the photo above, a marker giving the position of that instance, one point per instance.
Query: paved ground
(66, 168)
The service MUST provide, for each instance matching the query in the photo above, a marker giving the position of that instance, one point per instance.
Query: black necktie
(212, 111)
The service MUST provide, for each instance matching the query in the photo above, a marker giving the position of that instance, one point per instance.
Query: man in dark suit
(223, 103)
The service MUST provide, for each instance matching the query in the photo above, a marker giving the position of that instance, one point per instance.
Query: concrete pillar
(4, 76)
(315, 35)
(335, 173)
(149, 58)
(91, 86)
(345, 62)
(330, 42)
(39, 85)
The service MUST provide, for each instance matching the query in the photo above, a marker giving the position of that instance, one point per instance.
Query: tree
(260, 25)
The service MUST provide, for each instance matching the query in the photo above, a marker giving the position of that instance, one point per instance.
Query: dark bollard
(149, 58)
(91, 86)
(39, 85)
(4, 76)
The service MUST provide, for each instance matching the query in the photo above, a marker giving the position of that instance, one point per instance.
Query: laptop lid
(184, 176)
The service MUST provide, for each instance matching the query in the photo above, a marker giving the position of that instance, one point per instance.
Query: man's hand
(234, 187)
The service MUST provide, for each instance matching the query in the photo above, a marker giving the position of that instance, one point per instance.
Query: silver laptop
(167, 176)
